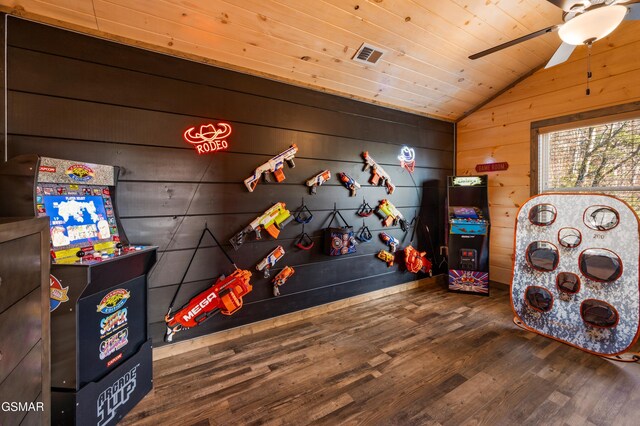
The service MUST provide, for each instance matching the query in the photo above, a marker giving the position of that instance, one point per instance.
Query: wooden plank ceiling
(311, 43)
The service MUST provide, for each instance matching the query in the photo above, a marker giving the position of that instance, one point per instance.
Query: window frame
(572, 121)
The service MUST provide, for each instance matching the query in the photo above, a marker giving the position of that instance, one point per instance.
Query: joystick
(119, 247)
(81, 254)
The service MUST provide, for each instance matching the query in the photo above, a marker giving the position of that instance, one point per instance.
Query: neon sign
(407, 158)
(210, 138)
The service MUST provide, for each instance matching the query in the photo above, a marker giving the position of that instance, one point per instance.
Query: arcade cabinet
(101, 363)
(468, 239)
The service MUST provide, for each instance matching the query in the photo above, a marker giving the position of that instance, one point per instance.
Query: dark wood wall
(77, 97)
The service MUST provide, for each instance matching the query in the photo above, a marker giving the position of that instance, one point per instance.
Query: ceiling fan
(585, 21)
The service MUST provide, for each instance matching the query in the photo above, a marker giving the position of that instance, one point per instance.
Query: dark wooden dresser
(24, 322)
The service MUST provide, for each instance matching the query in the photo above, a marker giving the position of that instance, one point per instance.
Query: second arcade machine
(100, 348)
(468, 211)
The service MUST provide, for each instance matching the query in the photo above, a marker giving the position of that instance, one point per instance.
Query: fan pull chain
(589, 75)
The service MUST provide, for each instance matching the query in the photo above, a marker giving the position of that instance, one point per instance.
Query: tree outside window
(600, 158)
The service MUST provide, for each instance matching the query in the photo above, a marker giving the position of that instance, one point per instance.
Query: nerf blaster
(387, 257)
(318, 180)
(282, 278)
(273, 220)
(391, 215)
(225, 297)
(378, 175)
(267, 263)
(392, 242)
(416, 261)
(349, 183)
(275, 166)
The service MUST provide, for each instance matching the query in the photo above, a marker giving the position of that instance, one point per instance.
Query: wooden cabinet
(24, 321)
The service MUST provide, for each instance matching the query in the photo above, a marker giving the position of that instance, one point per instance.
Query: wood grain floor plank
(421, 357)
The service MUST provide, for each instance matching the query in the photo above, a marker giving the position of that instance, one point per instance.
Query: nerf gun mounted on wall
(391, 215)
(282, 278)
(378, 175)
(224, 296)
(349, 183)
(273, 220)
(267, 263)
(275, 166)
(416, 261)
(392, 242)
(389, 258)
(318, 180)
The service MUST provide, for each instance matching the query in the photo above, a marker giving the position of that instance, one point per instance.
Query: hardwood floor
(421, 357)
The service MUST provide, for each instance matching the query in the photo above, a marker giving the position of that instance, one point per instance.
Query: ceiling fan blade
(565, 5)
(562, 54)
(634, 12)
(515, 41)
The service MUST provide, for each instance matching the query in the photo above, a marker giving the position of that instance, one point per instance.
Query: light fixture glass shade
(592, 25)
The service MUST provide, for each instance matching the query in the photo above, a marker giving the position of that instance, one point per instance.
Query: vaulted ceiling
(310, 43)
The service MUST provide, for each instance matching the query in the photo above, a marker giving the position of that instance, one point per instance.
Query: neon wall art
(210, 138)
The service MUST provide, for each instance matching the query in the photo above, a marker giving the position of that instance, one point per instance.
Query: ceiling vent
(368, 54)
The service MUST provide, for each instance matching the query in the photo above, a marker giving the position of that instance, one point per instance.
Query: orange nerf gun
(225, 297)
(378, 174)
(416, 261)
(282, 278)
(273, 220)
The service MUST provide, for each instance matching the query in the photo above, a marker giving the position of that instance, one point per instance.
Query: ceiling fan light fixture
(592, 25)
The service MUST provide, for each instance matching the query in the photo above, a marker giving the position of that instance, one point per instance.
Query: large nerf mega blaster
(282, 278)
(224, 296)
(273, 220)
(390, 215)
(267, 263)
(275, 166)
(318, 180)
(350, 183)
(416, 261)
(378, 175)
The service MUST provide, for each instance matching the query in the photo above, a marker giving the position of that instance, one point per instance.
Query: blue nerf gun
(392, 242)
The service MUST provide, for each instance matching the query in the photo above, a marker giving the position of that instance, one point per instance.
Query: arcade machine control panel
(468, 259)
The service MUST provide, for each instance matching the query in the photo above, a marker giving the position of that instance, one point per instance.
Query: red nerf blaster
(416, 261)
(224, 296)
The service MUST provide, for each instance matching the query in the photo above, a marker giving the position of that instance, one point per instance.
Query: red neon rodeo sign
(210, 138)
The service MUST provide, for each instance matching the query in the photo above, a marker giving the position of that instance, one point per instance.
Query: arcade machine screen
(81, 218)
(465, 213)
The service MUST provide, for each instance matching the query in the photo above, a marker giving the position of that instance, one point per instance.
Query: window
(602, 158)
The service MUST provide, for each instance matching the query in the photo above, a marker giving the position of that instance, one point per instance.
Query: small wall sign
(492, 167)
(210, 138)
(466, 180)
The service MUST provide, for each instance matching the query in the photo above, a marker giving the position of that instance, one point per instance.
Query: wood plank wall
(500, 131)
(73, 96)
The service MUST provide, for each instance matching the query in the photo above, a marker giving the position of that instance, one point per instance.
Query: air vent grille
(368, 54)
